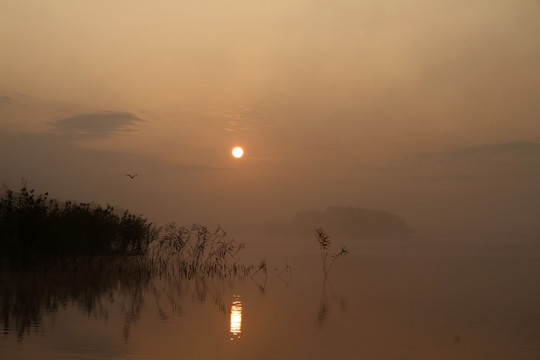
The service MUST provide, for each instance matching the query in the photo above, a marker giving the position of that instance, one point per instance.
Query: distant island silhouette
(353, 222)
(340, 221)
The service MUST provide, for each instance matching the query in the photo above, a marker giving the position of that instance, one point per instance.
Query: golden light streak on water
(236, 318)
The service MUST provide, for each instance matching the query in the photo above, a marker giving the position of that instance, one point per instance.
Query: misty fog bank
(345, 222)
(377, 232)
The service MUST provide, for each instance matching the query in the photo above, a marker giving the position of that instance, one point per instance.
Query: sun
(238, 152)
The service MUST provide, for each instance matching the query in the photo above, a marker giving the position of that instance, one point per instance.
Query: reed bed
(34, 228)
(36, 231)
(196, 251)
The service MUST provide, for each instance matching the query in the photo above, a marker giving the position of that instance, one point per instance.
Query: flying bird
(132, 176)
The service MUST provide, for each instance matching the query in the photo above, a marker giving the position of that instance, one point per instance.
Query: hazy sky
(429, 109)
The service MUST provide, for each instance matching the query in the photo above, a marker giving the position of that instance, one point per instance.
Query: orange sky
(424, 108)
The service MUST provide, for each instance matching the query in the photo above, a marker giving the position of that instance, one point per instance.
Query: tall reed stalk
(327, 258)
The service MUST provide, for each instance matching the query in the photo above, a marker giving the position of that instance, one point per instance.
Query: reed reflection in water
(236, 318)
(397, 306)
(94, 286)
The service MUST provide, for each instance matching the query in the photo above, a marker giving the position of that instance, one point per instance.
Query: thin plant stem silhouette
(328, 296)
(286, 274)
(327, 258)
(261, 284)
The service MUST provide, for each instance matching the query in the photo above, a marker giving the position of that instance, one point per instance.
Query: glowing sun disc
(238, 152)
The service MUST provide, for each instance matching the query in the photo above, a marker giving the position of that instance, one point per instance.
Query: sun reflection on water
(236, 318)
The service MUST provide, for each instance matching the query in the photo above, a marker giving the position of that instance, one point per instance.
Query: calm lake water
(419, 304)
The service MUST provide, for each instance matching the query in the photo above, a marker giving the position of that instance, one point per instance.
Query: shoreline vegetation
(54, 253)
(39, 233)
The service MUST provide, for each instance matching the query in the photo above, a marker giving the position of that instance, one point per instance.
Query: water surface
(374, 305)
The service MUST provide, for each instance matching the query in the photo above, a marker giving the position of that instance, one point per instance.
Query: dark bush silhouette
(34, 226)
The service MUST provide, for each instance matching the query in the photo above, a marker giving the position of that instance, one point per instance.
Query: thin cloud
(511, 161)
(242, 119)
(55, 154)
(516, 149)
(102, 124)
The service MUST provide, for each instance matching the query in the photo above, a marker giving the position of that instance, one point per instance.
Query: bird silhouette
(132, 176)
